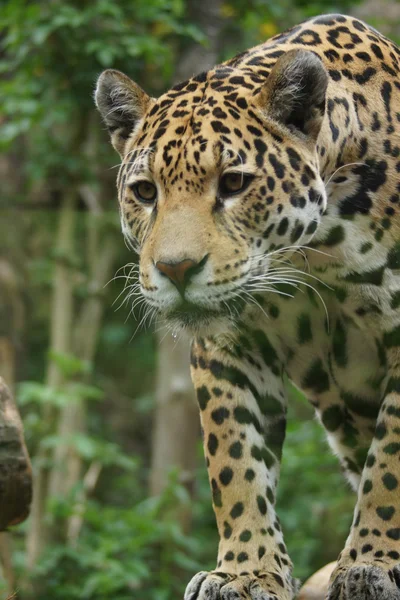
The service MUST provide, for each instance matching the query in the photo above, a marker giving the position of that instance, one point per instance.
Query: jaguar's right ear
(122, 104)
(294, 93)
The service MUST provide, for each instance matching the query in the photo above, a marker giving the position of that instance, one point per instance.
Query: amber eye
(145, 191)
(233, 183)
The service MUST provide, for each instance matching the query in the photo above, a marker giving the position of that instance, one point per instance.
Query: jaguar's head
(217, 175)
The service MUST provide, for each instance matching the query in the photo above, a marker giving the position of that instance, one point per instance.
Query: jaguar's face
(208, 216)
(211, 188)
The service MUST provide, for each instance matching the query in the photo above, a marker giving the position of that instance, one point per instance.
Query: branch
(76, 521)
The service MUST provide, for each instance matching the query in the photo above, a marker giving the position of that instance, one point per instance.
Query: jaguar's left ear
(122, 104)
(295, 91)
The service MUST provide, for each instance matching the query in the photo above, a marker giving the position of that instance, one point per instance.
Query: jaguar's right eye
(233, 183)
(145, 191)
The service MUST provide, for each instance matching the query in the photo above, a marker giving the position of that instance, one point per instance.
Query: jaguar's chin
(199, 320)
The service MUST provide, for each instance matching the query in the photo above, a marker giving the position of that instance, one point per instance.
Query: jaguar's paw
(365, 582)
(218, 585)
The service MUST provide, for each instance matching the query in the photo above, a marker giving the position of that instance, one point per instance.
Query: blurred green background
(122, 507)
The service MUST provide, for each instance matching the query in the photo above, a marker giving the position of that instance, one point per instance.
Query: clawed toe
(206, 586)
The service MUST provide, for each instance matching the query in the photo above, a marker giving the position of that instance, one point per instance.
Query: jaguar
(263, 199)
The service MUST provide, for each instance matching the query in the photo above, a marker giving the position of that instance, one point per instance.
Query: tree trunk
(11, 320)
(72, 333)
(68, 463)
(197, 58)
(60, 331)
(176, 426)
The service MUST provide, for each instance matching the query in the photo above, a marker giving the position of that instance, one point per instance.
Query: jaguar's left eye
(145, 191)
(233, 183)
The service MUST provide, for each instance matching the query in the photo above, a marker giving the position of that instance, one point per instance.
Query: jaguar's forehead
(201, 94)
(207, 99)
(208, 122)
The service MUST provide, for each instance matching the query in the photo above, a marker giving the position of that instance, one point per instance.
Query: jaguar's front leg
(242, 406)
(369, 566)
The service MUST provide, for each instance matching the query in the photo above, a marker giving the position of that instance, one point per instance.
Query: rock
(15, 467)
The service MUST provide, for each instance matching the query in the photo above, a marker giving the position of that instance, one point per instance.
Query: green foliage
(124, 552)
(50, 72)
(69, 364)
(41, 394)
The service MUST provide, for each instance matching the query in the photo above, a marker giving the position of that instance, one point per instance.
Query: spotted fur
(296, 273)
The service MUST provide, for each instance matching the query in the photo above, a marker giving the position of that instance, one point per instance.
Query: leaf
(69, 364)
(42, 394)
(84, 391)
(268, 29)
(105, 56)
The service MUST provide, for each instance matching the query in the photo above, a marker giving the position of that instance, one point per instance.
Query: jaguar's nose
(180, 273)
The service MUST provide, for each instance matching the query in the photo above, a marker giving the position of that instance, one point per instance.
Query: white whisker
(343, 167)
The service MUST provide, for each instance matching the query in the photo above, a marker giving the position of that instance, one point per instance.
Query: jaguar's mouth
(190, 314)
